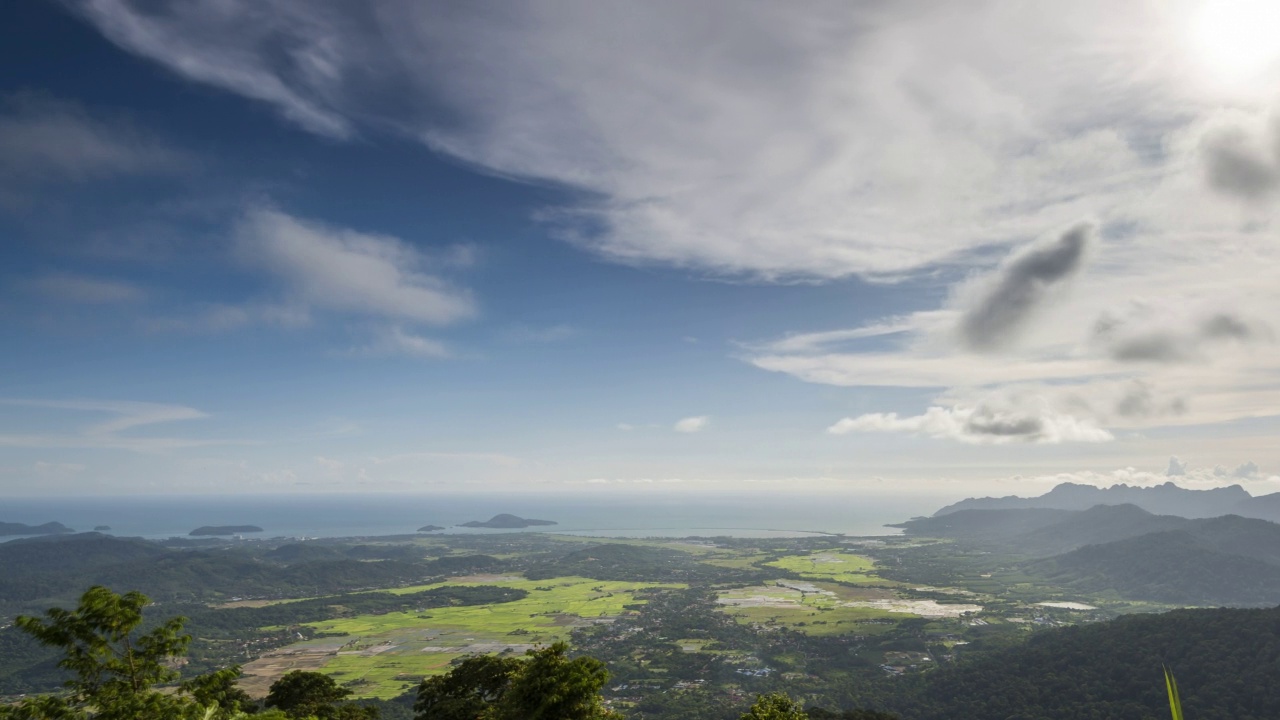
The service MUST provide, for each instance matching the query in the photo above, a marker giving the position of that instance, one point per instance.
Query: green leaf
(1175, 703)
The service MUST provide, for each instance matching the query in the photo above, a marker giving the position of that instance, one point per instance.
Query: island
(49, 528)
(429, 528)
(102, 528)
(225, 530)
(506, 522)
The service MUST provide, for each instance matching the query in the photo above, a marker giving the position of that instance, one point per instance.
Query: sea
(326, 516)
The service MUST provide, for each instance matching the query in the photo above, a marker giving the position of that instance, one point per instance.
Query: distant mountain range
(1224, 560)
(1166, 499)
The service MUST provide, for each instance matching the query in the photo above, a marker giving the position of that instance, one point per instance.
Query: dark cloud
(1155, 347)
(1022, 286)
(985, 422)
(1225, 326)
(1235, 164)
(1176, 467)
(1126, 340)
(1140, 401)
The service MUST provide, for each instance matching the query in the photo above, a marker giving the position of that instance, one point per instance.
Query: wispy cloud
(692, 424)
(44, 140)
(111, 434)
(83, 289)
(397, 341)
(844, 139)
(529, 334)
(207, 27)
(346, 271)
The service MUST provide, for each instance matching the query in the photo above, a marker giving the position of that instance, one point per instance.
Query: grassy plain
(383, 655)
(814, 608)
(831, 565)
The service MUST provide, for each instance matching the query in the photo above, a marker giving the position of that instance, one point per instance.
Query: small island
(429, 528)
(102, 528)
(225, 530)
(506, 522)
(49, 528)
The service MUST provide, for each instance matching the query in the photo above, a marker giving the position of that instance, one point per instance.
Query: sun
(1238, 38)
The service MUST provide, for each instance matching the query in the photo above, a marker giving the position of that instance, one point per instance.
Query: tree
(115, 666)
(775, 706)
(302, 694)
(546, 685)
(466, 691)
(218, 689)
(550, 686)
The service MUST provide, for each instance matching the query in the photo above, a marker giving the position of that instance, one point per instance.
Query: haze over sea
(371, 515)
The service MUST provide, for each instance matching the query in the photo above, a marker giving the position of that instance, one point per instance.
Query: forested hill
(1177, 567)
(1227, 560)
(1226, 662)
(1166, 499)
(43, 571)
(1040, 532)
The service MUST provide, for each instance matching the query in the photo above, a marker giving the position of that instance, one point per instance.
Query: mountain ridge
(1164, 499)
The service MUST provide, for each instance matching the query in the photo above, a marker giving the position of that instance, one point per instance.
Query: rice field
(383, 655)
(838, 566)
(816, 608)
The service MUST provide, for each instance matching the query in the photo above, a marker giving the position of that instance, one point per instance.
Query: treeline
(638, 563)
(233, 622)
(48, 570)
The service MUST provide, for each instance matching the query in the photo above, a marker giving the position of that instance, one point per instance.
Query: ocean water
(315, 516)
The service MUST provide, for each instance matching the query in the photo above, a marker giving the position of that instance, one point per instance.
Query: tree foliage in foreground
(117, 669)
(775, 706)
(546, 685)
(305, 694)
(115, 666)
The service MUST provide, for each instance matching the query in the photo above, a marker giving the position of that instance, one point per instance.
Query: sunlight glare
(1238, 38)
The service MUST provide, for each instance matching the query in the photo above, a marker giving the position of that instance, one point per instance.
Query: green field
(818, 608)
(383, 655)
(811, 608)
(839, 566)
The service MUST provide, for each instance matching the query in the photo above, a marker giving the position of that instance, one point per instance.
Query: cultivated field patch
(383, 655)
(817, 608)
(839, 566)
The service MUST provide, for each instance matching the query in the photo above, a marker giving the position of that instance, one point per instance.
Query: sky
(912, 247)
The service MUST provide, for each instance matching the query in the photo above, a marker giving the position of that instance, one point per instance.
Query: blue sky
(289, 246)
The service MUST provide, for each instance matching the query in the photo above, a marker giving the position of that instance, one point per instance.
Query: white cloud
(71, 288)
(347, 271)
(847, 138)
(692, 424)
(208, 29)
(1247, 470)
(1137, 477)
(980, 425)
(397, 341)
